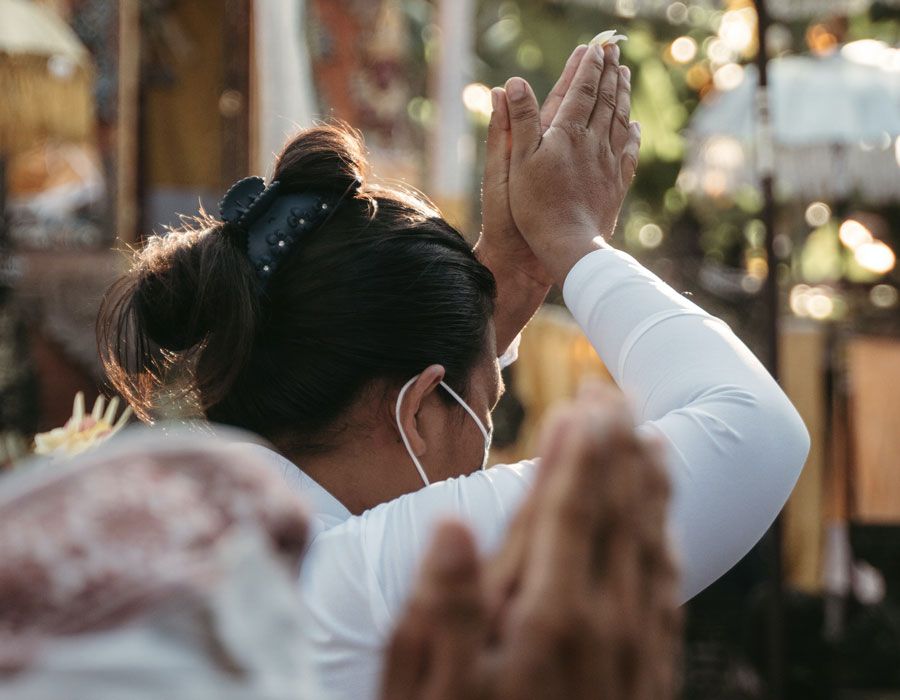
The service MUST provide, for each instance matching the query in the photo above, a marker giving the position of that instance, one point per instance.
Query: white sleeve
(736, 445)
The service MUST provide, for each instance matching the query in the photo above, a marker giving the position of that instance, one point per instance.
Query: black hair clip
(274, 221)
(246, 200)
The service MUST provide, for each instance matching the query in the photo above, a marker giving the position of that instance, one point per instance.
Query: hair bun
(164, 297)
(327, 158)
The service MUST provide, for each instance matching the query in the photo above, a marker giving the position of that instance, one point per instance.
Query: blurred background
(769, 191)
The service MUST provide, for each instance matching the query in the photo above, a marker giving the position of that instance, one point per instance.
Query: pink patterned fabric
(88, 544)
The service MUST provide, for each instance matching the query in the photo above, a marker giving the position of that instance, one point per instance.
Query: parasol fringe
(804, 172)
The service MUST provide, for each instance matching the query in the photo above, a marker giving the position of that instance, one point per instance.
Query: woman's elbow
(785, 434)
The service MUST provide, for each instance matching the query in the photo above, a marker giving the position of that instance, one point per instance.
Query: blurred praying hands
(580, 602)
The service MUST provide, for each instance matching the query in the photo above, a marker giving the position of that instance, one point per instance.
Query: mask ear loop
(459, 399)
(403, 434)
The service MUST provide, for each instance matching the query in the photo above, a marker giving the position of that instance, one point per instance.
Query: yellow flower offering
(81, 431)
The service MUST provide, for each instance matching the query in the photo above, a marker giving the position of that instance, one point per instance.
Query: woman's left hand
(501, 246)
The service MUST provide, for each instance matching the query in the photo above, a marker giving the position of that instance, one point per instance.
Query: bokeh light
(728, 77)
(650, 236)
(683, 49)
(884, 296)
(818, 214)
(677, 13)
(820, 306)
(817, 302)
(820, 39)
(738, 28)
(876, 257)
(853, 234)
(724, 152)
(530, 56)
(477, 99)
(698, 78)
(719, 52)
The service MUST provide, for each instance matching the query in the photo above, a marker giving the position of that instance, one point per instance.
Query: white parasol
(835, 123)
(783, 10)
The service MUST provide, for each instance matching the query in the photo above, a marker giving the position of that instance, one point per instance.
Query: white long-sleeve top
(735, 448)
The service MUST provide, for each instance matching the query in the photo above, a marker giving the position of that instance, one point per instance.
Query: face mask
(468, 409)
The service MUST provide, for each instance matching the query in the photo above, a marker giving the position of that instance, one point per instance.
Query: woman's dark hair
(380, 291)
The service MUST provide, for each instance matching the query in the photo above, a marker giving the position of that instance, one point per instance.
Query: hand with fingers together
(522, 280)
(569, 172)
(581, 600)
(500, 237)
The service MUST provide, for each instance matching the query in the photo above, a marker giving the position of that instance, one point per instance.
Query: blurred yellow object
(82, 432)
(874, 371)
(46, 78)
(554, 358)
(802, 355)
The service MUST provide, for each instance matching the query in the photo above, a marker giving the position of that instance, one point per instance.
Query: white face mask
(468, 409)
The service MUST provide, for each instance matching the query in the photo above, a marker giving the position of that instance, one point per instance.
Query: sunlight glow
(853, 234)
(684, 49)
(875, 256)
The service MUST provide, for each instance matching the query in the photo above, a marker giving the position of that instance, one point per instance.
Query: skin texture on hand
(500, 236)
(580, 602)
(522, 281)
(567, 182)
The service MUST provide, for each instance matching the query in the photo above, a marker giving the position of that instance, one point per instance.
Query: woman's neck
(362, 473)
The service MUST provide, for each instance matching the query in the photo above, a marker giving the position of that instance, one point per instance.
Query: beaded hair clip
(272, 221)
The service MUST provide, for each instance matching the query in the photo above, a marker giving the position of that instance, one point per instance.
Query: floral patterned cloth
(95, 543)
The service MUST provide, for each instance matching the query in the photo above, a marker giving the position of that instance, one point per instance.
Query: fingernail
(616, 52)
(515, 88)
(579, 51)
(495, 99)
(598, 50)
(626, 73)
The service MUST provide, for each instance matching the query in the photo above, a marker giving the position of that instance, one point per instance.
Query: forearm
(735, 443)
(518, 296)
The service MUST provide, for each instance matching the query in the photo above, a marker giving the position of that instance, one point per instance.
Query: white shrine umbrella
(782, 10)
(835, 123)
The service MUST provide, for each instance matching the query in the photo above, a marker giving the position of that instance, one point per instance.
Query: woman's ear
(412, 401)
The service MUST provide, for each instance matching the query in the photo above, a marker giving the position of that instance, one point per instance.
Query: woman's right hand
(567, 185)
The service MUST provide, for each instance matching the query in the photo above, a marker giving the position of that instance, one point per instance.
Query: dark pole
(766, 169)
(5, 252)
(2, 202)
(234, 105)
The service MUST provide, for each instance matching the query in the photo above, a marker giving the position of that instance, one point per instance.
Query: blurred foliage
(534, 40)
(674, 234)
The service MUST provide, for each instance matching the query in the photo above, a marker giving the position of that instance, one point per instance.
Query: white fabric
(283, 75)
(198, 645)
(736, 447)
(511, 354)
